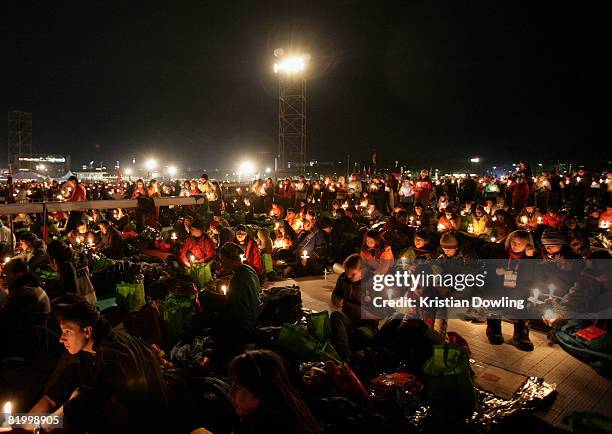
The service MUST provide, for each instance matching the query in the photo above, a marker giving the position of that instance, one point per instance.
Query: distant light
(268, 170)
(128, 171)
(291, 65)
(475, 160)
(151, 164)
(172, 170)
(246, 168)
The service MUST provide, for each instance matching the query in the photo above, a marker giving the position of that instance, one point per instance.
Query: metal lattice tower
(292, 122)
(19, 139)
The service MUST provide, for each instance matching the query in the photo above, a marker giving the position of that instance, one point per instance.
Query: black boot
(520, 339)
(494, 332)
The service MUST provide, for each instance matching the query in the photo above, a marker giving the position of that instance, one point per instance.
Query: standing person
(519, 191)
(6, 236)
(286, 193)
(301, 189)
(79, 194)
(450, 187)
(264, 398)
(406, 192)
(268, 194)
(354, 185)
(140, 190)
(423, 187)
(581, 185)
(542, 188)
(468, 189)
(518, 246)
(555, 188)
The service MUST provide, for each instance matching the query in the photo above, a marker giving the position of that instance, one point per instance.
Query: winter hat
(552, 237)
(231, 251)
(241, 228)
(449, 241)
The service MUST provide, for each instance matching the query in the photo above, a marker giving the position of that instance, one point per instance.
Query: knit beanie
(231, 251)
(552, 237)
(449, 241)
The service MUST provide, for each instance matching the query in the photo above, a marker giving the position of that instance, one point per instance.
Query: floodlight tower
(19, 139)
(291, 110)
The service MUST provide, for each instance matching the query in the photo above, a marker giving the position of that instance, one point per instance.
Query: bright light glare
(290, 65)
(268, 169)
(475, 160)
(246, 168)
(128, 171)
(172, 170)
(151, 164)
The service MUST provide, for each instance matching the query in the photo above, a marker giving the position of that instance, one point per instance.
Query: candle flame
(224, 289)
(7, 408)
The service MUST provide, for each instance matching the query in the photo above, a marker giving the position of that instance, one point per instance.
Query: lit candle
(578, 179)
(470, 228)
(242, 258)
(535, 292)
(493, 239)
(540, 220)
(494, 218)
(174, 237)
(7, 260)
(524, 219)
(441, 227)
(305, 254)
(192, 258)
(224, 289)
(7, 409)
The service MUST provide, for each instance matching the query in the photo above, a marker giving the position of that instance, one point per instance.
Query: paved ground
(578, 386)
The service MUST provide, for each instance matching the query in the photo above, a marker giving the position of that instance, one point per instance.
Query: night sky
(192, 81)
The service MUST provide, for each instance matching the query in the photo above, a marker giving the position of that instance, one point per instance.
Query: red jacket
(79, 194)
(553, 221)
(202, 248)
(252, 254)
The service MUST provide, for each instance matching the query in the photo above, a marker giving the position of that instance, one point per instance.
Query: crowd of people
(105, 378)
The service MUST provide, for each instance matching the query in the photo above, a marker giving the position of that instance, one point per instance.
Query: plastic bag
(448, 381)
(131, 295)
(201, 274)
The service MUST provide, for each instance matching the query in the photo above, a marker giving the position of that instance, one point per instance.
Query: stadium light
(151, 164)
(128, 171)
(246, 168)
(475, 160)
(172, 170)
(290, 65)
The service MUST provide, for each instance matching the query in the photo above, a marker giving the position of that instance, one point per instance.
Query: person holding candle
(294, 220)
(251, 250)
(285, 240)
(235, 324)
(423, 187)
(421, 247)
(198, 247)
(406, 192)
(529, 218)
(316, 251)
(449, 221)
(501, 225)
(553, 219)
(78, 194)
(480, 222)
(81, 235)
(33, 251)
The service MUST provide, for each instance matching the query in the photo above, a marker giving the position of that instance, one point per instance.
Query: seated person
(315, 252)
(285, 240)
(108, 399)
(26, 304)
(251, 250)
(81, 234)
(529, 218)
(349, 329)
(220, 234)
(235, 325)
(372, 214)
(111, 242)
(355, 216)
(310, 221)
(480, 222)
(33, 251)
(264, 398)
(553, 219)
(294, 220)
(198, 247)
(421, 247)
(449, 221)
(182, 228)
(377, 255)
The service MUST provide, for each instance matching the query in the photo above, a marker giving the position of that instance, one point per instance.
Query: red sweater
(202, 248)
(252, 254)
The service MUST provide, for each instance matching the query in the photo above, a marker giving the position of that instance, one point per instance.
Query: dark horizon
(503, 82)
